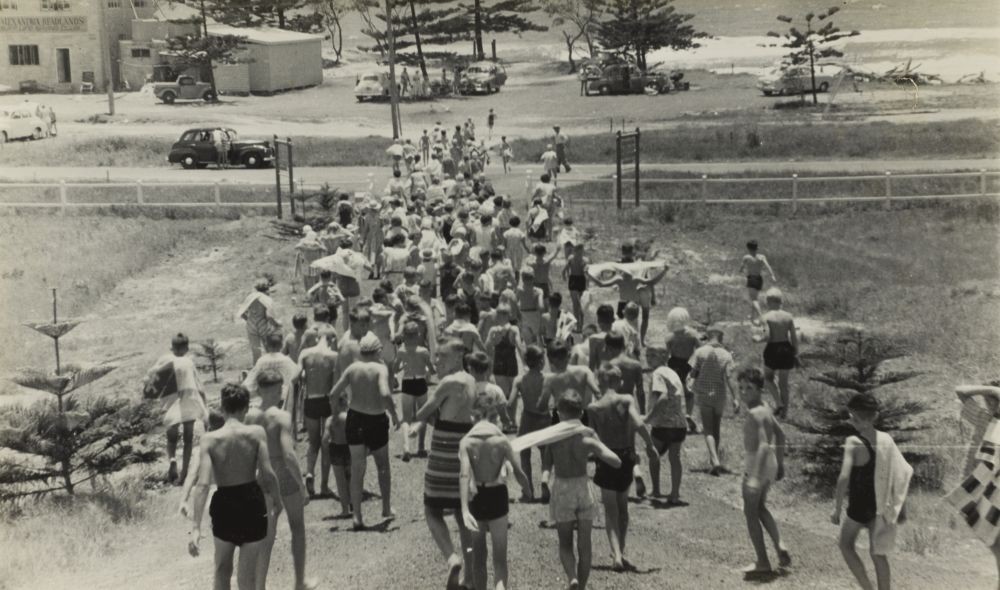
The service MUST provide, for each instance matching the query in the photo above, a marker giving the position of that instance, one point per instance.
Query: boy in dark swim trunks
(318, 362)
(616, 421)
(367, 424)
(236, 457)
(753, 266)
(575, 273)
(572, 506)
(486, 456)
(668, 424)
(414, 361)
(504, 345)
(535, 407)
(781, 350)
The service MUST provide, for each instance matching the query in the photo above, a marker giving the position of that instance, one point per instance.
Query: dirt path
(698, 546)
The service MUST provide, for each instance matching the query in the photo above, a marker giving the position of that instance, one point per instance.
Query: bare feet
(757, 569)
(640, 487)
(307, 585)
(574, 585)
(406, 457)
(325, 491)
(545, 493)
(454, 572)
(172, 472)
(310, 485)
(784, 557)
(389, 514)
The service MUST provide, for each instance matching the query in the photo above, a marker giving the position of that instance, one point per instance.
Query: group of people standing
(462, 318)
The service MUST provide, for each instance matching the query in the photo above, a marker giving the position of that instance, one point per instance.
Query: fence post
(982, 181)
(62, 197)
(618, 170)
(637, 155)
(795, 193)
(888, 190)
(704, 188)
(218, 195)
(527, 185)
(138, 193)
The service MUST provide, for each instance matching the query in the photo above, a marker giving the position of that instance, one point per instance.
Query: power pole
(108, 76)
(393, 89)
(211, 70)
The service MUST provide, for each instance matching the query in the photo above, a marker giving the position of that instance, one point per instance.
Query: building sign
(43, 24)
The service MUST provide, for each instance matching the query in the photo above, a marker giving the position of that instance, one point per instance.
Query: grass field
(928, 277)
(745, 140)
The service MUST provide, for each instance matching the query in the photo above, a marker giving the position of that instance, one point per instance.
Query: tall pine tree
(505, 16)
(416, 23)
(637, 27)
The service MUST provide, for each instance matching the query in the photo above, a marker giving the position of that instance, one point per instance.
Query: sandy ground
(698, 546)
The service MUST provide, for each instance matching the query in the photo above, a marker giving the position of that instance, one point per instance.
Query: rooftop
(263, 35)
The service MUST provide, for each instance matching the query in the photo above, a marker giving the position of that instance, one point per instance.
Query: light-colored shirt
(669, 409)
(711, 365)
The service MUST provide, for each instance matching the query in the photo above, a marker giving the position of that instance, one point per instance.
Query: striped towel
(441, 481)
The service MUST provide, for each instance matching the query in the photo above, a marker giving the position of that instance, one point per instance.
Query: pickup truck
(196, 149)
(184, 88)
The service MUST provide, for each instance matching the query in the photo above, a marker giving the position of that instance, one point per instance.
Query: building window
(114, 3)
(55, 5)
(139, 3)
(140, 52)
(23, 55)
(7, 5)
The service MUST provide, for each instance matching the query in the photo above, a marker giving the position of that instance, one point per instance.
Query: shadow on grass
(665, 505)
(765, 577)
(627, 570)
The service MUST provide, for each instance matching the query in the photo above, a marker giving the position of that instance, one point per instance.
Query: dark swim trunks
(577, 283)
(664, 437)
(370, 430)
(490, 503)
(618, 479)
(415, 387)
(317, 408)
(340, 455)
(755, 282)
(779, 356)
(239, 513)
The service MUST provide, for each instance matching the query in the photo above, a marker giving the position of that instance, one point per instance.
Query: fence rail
(65, 195)
(794, 189)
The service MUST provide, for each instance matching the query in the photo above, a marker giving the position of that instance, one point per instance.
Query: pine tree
(637, 27)
(505, 16)
(211, 353)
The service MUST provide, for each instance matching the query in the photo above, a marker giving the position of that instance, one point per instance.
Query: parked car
(21, 122)
(372, 86)
(184, 88)
(627, 79)
(196, 149)
(486, 77)
(797, 79)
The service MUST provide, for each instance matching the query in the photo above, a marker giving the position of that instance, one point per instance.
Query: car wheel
(209, 96)
(604, 90)
(767, 93)
(168, 97)
(189, 162)
(781, 92)
(251, 161)
(37, 133)
(3, 137)
(823, 87)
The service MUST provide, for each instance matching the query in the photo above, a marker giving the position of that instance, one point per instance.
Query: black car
(197, 149)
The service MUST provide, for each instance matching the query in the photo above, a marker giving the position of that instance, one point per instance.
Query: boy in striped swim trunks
(753, 266)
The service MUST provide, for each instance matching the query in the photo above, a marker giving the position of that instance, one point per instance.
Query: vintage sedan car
(485, 77)
(196, 149)
(184, 88)
(372, 86)
(21, 122)
(797, 79)
(627, 79)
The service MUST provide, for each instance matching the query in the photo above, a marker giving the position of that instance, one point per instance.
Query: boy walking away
(491, 120)
(486, 456)
(616, 421)
(781, 350)
(367, 424)
(875, 478)
(764, 448)
(753, 266)
(277, 425)
(516, 245)
(572, 504)
(235, 457)
(340, 454)
(535, 407)
(575, 273)
(666, 419)
(550, 163)
(257, 311)
(561, 142)
(504, 344)
(506, 154)
(414, 361)
(712, 373)
(318, 363)
(425, 147)
(540, 266)
(681, 343)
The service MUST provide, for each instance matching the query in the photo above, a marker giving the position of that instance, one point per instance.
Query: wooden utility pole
(393, 89)
(108, 76)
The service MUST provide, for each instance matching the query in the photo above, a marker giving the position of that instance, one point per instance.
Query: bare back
(369, 385)
(233, 449)
(574, 378)
(457, 391)
(780, 325)
(569, 456)
(488, 449)
(611, 420)
(320, 366)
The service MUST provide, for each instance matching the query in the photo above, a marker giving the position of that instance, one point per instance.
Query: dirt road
(698, 546)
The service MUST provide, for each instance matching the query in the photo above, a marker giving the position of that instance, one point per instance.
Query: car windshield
(477, 70)
(370, 78)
